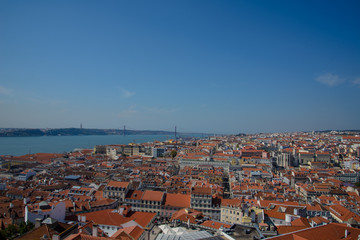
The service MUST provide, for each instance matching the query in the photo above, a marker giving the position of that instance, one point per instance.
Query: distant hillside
(241, 135)
(354, 131)
(16, 132)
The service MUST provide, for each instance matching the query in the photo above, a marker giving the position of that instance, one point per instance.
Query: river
(18, 146)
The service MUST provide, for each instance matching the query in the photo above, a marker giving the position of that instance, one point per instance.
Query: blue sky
(204, 66)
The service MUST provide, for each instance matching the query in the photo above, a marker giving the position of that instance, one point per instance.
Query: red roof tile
(118, 184)
(150, 195)
(332, 231)
(177, 200)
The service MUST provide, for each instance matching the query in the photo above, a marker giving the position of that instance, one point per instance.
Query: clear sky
(204, 66)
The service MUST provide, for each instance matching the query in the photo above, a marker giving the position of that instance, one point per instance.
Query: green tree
(29, 226)
(25, 227)
(11, 231)
(173, 153)
(22, 228)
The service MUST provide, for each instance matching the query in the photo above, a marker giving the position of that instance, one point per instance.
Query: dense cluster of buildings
(276, 186)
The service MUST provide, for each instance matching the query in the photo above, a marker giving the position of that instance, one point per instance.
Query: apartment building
(163, 204)
(151, 201)
(201, 200)
(116, 190)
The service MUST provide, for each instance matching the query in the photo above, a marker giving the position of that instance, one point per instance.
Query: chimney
(37, 222)
(95, 230)
(121, 211)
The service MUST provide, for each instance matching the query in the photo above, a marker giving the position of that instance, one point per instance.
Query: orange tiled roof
(39, 232)
(185, 214)
(275, 214)
(343, 213)
(135, 194)
(332, 231)
(215, 225)
(81, 236)
(105, 217)
(289, 229)
(318, 220)
(133, 231)
(300, 222)
(142, 218)
(231, 202)
(150, 195)
(202, 190)
(118, 184)
(177, 200)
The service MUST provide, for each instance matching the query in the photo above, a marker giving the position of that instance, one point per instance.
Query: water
(18, 146)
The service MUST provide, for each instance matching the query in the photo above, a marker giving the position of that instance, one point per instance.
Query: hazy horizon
(206, 133)
(222, 67)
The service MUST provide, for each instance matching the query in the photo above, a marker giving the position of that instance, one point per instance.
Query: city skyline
(204, 66)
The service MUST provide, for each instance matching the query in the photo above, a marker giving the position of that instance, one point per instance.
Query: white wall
(58, 212)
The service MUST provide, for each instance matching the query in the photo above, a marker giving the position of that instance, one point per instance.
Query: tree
(22, 228)
(173, 153)
(11, 231)
(25, 227)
